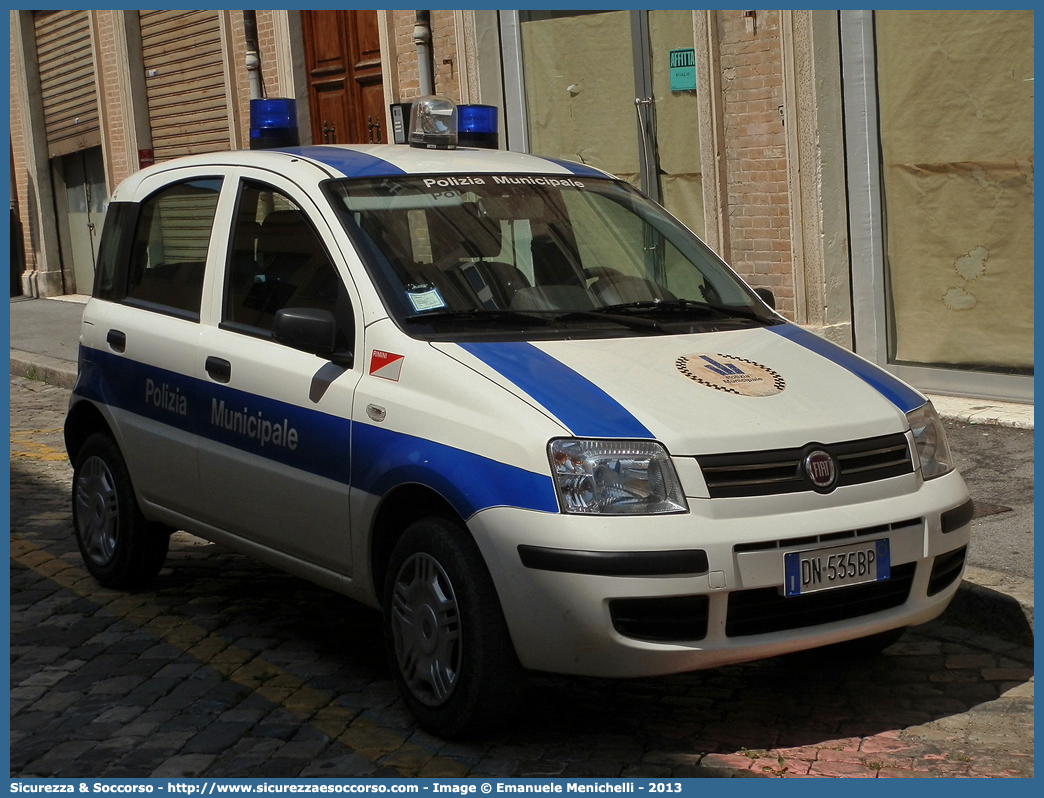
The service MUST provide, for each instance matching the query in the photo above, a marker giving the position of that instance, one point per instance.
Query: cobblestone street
(225, 667)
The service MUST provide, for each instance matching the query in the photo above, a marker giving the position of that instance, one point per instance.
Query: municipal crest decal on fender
(731, 374)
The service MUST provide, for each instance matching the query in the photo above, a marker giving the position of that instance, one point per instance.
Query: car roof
(390, 160)
(374, 160)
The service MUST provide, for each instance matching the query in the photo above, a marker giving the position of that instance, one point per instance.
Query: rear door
(142, 363)
(275, 444)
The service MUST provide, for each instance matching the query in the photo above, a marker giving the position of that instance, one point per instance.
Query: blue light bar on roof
(477, 126)
(273, 123)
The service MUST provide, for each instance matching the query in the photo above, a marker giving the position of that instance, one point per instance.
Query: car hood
(708, 393)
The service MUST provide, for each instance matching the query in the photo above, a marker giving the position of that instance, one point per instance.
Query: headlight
(930, 441)
(615, 477)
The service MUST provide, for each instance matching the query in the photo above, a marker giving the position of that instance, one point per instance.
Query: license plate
(824, 569)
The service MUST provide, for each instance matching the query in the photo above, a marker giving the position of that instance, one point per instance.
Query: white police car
(505, 399)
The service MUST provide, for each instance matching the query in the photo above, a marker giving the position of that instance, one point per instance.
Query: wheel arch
(400, 508)
(83, 420)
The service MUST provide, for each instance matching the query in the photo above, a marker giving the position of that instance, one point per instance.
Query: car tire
(445, 634)
(120, 547)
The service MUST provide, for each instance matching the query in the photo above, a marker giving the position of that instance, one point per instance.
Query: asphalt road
(997, 465)
(225, 667)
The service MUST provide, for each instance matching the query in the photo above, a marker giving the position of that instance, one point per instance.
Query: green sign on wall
(683, 70)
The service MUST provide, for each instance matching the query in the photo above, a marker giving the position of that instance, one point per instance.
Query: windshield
(531, 251)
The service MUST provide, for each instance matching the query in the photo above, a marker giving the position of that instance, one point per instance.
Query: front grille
(667, 619)
(830, 537)
(946, 568)
(764, 610)
(780, 471)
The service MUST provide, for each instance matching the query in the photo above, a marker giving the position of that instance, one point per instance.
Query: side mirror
(308, 329)
(765, 295)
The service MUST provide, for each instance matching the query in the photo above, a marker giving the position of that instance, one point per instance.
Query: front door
(345, 87)
(613, 89)
(274, 462)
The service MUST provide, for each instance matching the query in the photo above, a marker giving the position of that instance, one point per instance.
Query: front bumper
(563, 621)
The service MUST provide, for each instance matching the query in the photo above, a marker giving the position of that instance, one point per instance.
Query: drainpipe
(422, 38)
(253, 55)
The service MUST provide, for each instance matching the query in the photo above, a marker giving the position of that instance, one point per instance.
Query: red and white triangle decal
(385, 365)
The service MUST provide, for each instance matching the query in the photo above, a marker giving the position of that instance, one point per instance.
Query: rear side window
(169, 255)
(109, 278)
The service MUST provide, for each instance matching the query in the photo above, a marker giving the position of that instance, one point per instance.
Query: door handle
(116, 340)
(220, 370)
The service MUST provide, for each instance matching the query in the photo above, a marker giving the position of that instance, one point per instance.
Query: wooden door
(345, 87)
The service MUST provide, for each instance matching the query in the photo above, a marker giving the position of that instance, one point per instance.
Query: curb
(983, 411)
(41, 367)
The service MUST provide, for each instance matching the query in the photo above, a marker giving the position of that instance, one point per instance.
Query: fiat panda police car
(505, 399)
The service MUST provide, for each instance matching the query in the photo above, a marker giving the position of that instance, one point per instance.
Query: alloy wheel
(97, 511)
(426, 629)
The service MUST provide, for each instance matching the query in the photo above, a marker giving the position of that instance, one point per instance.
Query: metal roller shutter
(67, 81)
(184, 82)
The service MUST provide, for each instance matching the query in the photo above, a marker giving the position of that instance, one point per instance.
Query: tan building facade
(873, 170)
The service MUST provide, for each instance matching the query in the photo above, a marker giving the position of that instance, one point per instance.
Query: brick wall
(239, 75)
(755, 147)
(444, 55)
(119, 161)
(406, 55)
(266, 43)
(269, 71)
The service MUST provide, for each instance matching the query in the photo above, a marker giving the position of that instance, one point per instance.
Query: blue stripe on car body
(470, 482)
(370, 458)
(585, 409)
(351, 163)
(578, 169)
(222, 414)
(900, 395)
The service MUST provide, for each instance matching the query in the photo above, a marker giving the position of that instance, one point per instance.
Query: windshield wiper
(532, 318)
(631, 322)
(495, 316)
(675, 305)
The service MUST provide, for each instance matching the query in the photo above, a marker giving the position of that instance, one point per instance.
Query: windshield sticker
(522, 180)
(446, 182)
(425, 298)
(502, 180)
(731, 374)
(385, 365)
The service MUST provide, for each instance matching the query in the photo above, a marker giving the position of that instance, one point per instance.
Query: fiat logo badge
(821, 469)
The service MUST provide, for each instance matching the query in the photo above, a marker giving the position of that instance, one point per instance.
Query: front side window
(277, 261)
(169, 255)
(485, 250)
